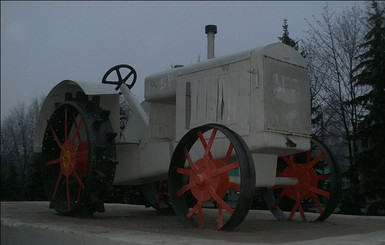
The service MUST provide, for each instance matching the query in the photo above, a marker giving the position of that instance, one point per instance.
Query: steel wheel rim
(207, 178)
(318, 189)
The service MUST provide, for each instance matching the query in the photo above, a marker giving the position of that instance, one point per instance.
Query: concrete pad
(34, 223)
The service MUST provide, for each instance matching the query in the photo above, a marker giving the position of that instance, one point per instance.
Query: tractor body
(258, 99)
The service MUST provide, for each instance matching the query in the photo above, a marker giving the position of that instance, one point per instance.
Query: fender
(109, 100)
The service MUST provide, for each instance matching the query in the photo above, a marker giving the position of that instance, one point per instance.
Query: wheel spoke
(192, 165)
(56, 186)
(79, 191)
(77, 130)
(279, 199)
(234, 186)
(55, 137)
(315, 160)
(119, 75)
(301, 211)
(68, 194)
(293, 210)
(317, 203)
(76, 126)
(229, 151)
(183, 171)
(52, 162)
(300, 207)
(220, 217)
(78, 179)
(161, 193)
(194, 209)
(129, 74)
(323, 177)
(318, 191)
(204, 144)
(225, 169)
(200, 217)
(211, 141)
(185, 188)
(79, 154)
(288, 161)
(220, 201)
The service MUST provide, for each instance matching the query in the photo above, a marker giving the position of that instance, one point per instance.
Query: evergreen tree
(371, 131)
(285, 36)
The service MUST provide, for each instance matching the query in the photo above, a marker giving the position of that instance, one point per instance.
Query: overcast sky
(43, 43)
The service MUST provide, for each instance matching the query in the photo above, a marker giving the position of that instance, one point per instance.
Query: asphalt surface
(34, 223)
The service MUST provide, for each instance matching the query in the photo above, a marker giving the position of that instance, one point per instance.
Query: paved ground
(35, 223)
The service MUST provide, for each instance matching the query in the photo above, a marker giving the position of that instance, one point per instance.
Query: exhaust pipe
(210, 30)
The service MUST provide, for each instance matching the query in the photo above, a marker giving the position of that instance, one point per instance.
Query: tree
(17, 132)
(332, 48)
(285, 36)
(371, 129)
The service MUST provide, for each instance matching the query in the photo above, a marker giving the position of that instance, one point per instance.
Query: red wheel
(317, 189)
(72, 163)
(212, 166)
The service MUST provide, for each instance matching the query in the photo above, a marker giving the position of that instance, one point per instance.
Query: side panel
(265, 169)
(128, 168)
(217, 95)
(142, 163)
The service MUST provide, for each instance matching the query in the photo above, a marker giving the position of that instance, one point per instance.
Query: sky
(43, 43)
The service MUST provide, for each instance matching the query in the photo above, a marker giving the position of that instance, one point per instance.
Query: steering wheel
(121, 80)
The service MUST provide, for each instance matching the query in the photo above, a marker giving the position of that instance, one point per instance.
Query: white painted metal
(263, 94)
(265, 169)
(138, 124)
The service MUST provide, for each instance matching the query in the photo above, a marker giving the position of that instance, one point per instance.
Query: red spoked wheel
(318, 188)
(70, 157)
(211, 167)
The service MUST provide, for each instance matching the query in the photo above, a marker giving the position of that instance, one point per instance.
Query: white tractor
(211, 133)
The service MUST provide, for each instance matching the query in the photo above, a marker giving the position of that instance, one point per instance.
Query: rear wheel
(78, 157)
(317, 192)
(211, 167)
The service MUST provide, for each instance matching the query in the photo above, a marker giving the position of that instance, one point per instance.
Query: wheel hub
(68, 160)
(205, 179)
(306, 177)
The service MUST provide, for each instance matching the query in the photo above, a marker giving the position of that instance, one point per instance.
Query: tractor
(207, 135)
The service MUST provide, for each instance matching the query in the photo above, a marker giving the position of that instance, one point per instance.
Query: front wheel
(318, 190)
(211, 167)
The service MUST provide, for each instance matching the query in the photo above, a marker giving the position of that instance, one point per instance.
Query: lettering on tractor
(206, 136)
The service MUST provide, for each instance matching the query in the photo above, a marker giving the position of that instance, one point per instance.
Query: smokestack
(210, 30)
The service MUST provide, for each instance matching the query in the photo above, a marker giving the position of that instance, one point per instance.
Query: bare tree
(332, 47)
(17, 131)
